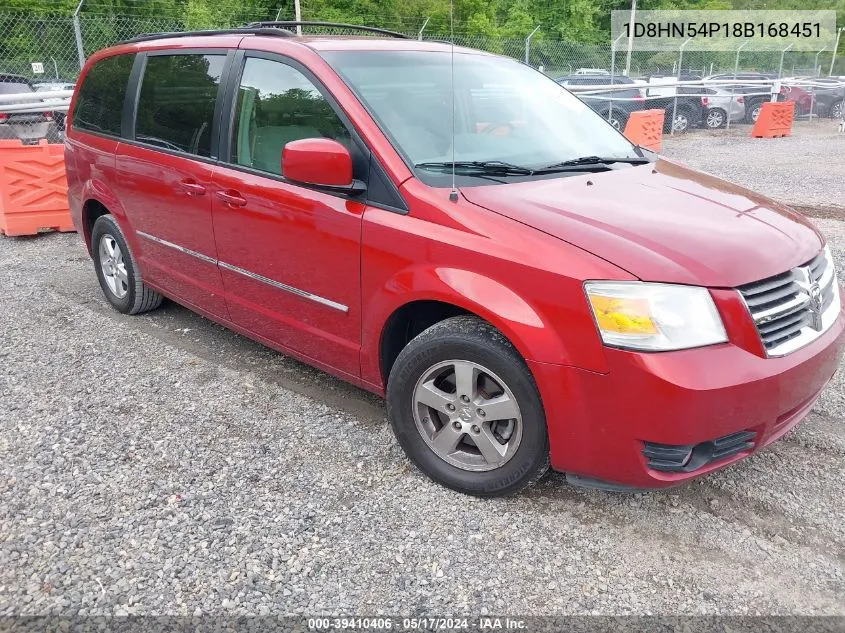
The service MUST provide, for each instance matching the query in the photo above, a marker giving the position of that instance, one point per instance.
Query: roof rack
(338, 25)
(247, 30)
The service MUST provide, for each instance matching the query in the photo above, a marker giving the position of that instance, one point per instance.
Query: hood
(662, 222)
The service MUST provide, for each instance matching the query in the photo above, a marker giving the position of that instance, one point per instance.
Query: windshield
(505, 112)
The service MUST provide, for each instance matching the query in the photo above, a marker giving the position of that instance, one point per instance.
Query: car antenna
(453, 195)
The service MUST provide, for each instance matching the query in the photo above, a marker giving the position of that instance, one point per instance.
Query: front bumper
(599, 424)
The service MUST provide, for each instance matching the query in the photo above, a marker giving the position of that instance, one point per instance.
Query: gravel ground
(806, 169)
(163, 465)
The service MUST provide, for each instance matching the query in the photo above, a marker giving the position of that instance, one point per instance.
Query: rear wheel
(117, 271)
(466, 410)
(836, 110)
(715, 119)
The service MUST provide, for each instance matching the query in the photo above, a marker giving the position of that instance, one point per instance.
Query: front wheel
(682, 122)
(466, 410)
(618, 120)
(836, 110)
(754, 111)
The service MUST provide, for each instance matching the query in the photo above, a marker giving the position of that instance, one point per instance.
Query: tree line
(573, 20)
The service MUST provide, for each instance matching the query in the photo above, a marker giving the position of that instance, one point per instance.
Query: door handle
(192, 187)
(232, 198)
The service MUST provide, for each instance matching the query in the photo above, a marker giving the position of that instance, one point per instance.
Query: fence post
(528, 43)
(425, 24)
(77, 32)
(782, 54)
(816, 73)
(733, 85)
(612, 75)
(631, 24)
(835, 48)
(675, 101)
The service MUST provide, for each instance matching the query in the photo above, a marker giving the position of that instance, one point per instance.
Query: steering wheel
(495, 126)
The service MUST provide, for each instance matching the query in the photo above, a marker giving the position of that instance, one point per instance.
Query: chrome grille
(795, 307)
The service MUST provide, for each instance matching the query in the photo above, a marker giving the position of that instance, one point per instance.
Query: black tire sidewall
(106, 224)
(532, 453)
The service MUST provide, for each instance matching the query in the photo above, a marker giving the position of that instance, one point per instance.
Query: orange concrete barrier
(645, 128)
(33, 188)
(775, 120)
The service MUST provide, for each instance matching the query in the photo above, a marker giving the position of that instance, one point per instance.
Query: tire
(683, 120)
(754, 111)
(428, 365)
(836, 110)
(715, 119)
(618, 120)
(124, 288)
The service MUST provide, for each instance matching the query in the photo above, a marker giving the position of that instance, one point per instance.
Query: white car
(591, 71)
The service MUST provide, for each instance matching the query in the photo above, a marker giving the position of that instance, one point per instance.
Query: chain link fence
(50, 42)
(45, 52)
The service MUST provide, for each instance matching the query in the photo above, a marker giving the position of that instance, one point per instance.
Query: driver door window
(277, 104)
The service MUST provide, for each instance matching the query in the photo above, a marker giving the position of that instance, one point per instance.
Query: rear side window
(99, 102)
(277, 104)
(176, 104)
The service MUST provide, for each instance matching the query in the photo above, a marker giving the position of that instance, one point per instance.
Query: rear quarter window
(99, 102)
(177, 100)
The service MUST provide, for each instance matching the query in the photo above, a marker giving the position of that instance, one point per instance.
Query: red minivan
(457, 232)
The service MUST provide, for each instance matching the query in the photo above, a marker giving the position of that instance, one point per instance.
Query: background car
(721, 106)
(825, 101)
(614, 105)
(591, 71)
(28, 127)
(755, 95)
(680, 101)
(59, 115)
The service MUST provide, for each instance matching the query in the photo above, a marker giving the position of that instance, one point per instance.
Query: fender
(529, 328)
(98, 191)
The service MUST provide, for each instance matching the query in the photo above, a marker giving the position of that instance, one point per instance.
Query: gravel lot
(161, 464)
(806, 169)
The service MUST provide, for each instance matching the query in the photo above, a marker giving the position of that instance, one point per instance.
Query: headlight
(654, 317)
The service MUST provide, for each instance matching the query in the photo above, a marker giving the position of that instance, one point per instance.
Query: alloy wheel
(467, 415)
(113, 267)
(715, 119)
(681, 123)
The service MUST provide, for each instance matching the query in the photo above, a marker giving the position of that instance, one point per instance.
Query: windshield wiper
(597, 162)
(492, 167)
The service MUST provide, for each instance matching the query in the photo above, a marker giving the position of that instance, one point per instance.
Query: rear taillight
(3, 116)
(48, 115)
(740, 99)
(639, 99)
(704, 101)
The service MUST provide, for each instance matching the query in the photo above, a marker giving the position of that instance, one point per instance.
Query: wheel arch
(98, 200)
(441, 294)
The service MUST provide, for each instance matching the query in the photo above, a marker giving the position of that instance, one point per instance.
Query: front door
(289, 255)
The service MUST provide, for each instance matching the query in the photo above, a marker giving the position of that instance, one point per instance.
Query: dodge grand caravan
(523, 285)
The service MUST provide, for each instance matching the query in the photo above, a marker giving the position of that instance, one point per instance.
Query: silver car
(720, 106)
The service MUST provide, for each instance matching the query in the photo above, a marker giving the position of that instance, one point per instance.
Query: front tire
(465, 409)
(117, 270)
(754, 111)
(682, 122)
